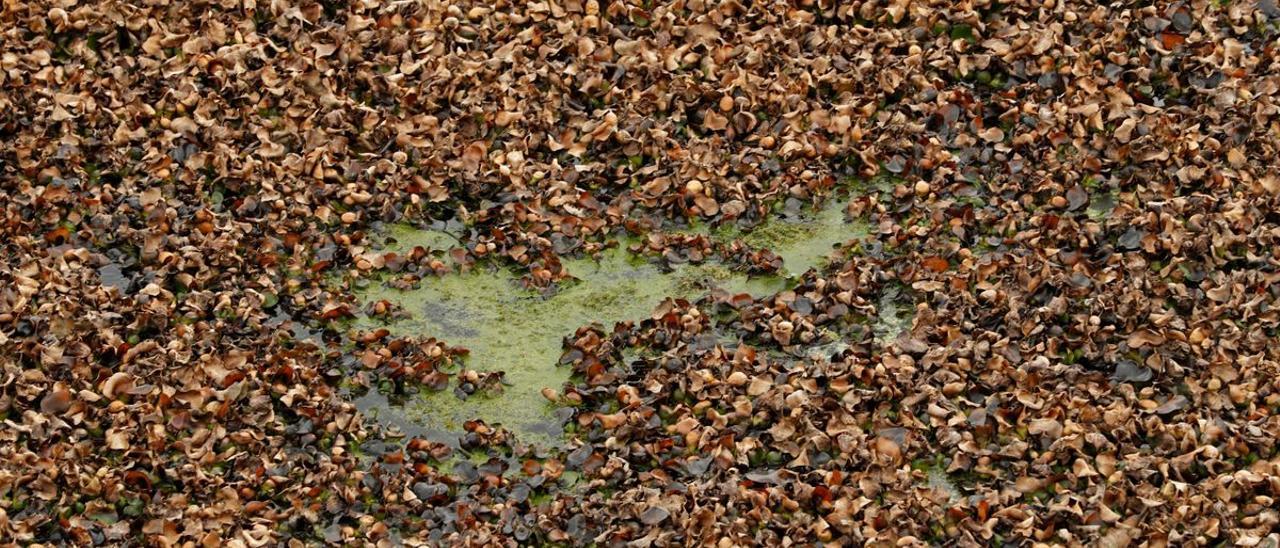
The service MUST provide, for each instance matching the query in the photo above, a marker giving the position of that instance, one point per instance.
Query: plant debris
(1059, 327)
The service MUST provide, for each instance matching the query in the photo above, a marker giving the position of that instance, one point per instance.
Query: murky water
(520, 332)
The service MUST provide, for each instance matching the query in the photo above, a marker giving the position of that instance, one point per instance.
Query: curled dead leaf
(118, 383)
(1145, 337)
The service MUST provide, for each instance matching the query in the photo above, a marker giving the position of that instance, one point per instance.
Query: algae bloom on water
(519, 332)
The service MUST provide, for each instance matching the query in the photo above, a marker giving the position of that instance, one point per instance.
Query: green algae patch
(519, 332)
(1101, 206)
(894, 314)
(805, 244)
(402, 238)
(937, 478)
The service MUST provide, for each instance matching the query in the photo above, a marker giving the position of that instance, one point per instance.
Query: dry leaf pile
(1079, 201)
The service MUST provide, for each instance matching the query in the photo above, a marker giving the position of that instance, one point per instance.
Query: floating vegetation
(1057, 328)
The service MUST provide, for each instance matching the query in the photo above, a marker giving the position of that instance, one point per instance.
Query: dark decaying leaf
(654, 515)
(1130, 371)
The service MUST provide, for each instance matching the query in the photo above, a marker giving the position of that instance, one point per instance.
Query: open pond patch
(518, 332)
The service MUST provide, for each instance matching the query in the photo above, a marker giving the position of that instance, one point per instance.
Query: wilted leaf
(1171, 40)
(654, 515)
(1129, 371)
(1145, 337)
(936, 264)
(1173, 405)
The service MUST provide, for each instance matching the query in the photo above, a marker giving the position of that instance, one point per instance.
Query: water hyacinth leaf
(1130, 371)
(654, 515)
(1132, 238)
(1173, 405)
(1077, 198)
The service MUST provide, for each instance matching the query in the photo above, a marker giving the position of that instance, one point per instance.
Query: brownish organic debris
(1077, 200)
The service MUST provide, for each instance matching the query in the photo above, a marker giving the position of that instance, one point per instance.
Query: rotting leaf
(1130, 371)
(1173, 405)
(936, 264)
(654, 515)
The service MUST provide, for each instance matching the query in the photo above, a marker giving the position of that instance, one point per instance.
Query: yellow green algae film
(520, 332)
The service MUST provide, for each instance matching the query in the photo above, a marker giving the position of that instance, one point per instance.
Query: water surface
(520, 332)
